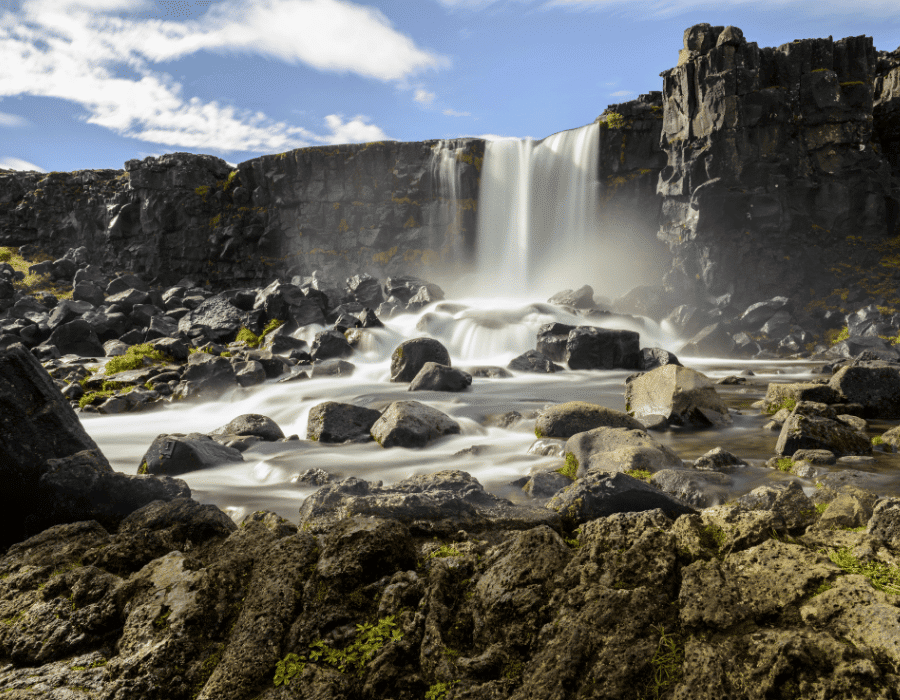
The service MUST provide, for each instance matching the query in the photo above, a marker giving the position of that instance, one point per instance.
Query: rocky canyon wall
(376, 208)
(782, 169)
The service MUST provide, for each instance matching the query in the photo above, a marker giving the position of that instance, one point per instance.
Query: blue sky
(93, 83)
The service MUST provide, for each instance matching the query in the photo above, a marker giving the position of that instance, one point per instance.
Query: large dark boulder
(340, 422)
(410, 356)
(206, 376)
(216, 317)
(601, 494)
(876, 387)
(366, 290)
(178, 454)
(684, 396)
(589, 347)
(435, 377)
(806, 432)
(330, 344)
(552, 339)
(253, 424)
(77, 338)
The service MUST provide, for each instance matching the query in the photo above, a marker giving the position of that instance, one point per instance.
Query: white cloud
(69, 49)
(12, 120)
(621, 93)
(492, 137)
(354, 131)
(9, 163)
(454, 113)
(423, 97)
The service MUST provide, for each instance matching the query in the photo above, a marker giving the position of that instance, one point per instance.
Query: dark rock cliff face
(374, 207)
(782, 174)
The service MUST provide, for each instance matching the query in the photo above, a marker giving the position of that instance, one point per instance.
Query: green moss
(821, 508)
(438, 691)
(245, 335)
(537, 433)
(824, 586)
(134, 358)
(201, 191)
(287, 669)
(784, 464)
(834, 337)
(570, 469)
(877, 440)
(884, 577)
(789, 402)
(713, 537)
(851, 83)
(447, 550)
(143, 469)
(94, 397)
(5, 254)
(229, 181)
(641, 474)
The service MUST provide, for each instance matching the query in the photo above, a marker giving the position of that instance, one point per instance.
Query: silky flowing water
(478, 333)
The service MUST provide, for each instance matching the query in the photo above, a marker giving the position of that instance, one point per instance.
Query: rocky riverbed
(623, 557)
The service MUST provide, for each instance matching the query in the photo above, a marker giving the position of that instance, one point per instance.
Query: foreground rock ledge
(739, 601)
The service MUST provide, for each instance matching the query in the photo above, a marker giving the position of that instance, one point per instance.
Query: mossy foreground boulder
(180, 604)
(684, 396)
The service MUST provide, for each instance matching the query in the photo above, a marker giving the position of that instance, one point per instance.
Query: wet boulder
(365, 289)
(410, 356)
(206, 376)
(589, 347)
(581, 298)
(870, 348)
(76, 338)
(779, 395)
(249, 373)
(618, 450)
(684, 396)
(805, 432)
(719, 460)
(333, 368)
(412, 424)
(330, 344)
(601, 494)
(533, 361)
(651, 358)
(178, 454)
(340, 422)
(254, 424)
(552, 339)
(884, 524)
(697, 489)
(566, 419)
(437, 504)
(876, 387)
(288, 302)
(435, 377)
(84, 487)
(755, 315)
(545, 483)
(216, 317)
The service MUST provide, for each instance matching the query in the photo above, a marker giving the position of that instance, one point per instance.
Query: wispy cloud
(71, 49)
(423, 97)
(12, 120)
(621, 93)
(10, 163)
(454, 113)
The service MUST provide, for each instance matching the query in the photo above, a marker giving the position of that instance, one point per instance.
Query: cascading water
(538, 212)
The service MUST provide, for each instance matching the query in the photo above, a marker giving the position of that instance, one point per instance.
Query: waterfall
(538, 213)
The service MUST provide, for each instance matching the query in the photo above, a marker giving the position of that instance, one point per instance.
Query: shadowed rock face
(360, 207)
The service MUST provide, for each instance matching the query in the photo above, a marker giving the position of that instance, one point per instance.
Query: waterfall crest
(538, 213)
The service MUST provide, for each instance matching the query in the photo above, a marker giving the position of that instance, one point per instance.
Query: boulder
(697, 489)
(216, 317)
(435, 377)
(684, 396)
(552, 339)
(249, 373)
(546, 483)
(330, 344)
(757, 314)
(581, 298)
(533, 361)
(127, 299)
(412, 424)
(255, 424)
(619, 450)
(439, 504)
(884, 525)
(83, 486)
(125, 282)
(333, 368)
(405, 288)
(718, 460)
(777, 395)
(206, 376)
(178, 454)
(803, 432)
(566, 419)
(67, 310)
(589, 347)
(365, 289)
(601, 494)
(876, 387)
(340, 422)
(76, 338)
(651, 358)
(410, 356)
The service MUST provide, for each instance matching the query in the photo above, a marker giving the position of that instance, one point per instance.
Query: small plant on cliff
(447, 550)
(641, 474)
(784, 464)
(836, 336)
(614, 120)
(667, 664)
